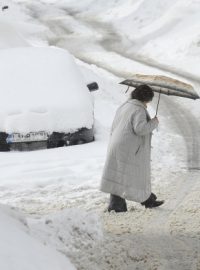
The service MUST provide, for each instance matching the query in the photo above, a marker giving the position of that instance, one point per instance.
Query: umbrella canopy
(164, 85)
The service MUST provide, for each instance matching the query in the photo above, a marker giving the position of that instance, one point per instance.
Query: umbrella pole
(127, 89)
(158, 103)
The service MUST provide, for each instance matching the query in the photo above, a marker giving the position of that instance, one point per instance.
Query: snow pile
(99, 9)
(71, 231)
(166, 31)
(42, 89)
(9, 37)
(17, 28)
(19, 251)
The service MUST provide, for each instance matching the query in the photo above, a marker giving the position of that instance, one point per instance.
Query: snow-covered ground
(165, 32)
(18, 250)
(57, 189)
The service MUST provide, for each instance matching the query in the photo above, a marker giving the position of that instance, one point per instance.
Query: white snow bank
(42, 89)
(100, 9)
(19, 251)
(9, 37)
(68, 230)
(17, 28)
(172, 37)
(10, 29)
(166, 31)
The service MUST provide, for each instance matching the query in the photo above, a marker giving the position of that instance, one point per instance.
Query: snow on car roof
(9, 37)
(42, 89)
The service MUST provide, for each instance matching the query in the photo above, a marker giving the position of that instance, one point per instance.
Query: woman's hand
(156, 118)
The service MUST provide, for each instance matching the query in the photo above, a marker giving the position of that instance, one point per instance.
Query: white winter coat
(127, 167)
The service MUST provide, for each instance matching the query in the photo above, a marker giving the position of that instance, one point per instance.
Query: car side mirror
(4, 8)
(92, 86)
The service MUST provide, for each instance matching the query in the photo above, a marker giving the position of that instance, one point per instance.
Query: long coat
(127, 167)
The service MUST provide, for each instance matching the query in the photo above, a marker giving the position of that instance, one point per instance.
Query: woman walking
(126, 172)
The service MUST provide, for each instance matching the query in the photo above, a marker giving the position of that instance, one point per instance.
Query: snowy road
(165, 239)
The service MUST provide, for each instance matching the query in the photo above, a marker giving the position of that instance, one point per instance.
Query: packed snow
(10, 37)
(58, 189)
(147, 29)
(18, 250)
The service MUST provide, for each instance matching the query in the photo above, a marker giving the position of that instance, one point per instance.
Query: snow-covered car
(45, 102)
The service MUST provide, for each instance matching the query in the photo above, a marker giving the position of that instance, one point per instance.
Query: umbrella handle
(158, 103)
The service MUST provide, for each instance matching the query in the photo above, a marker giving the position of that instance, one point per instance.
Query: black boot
(117, 204)
(151, 202)
(154, 204)
(154, 196)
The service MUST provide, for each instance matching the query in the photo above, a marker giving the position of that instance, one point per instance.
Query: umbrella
(163, 85)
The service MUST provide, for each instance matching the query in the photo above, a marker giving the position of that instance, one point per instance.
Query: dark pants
(117, 204)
